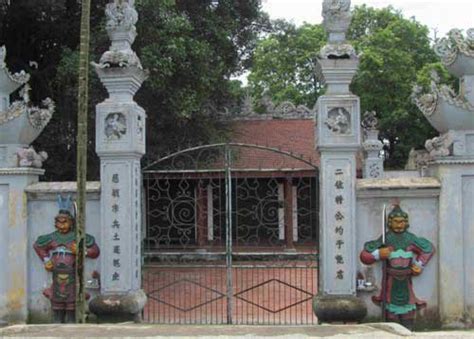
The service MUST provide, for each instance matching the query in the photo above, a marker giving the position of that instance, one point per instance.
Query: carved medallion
(339, 121)
(115, 126)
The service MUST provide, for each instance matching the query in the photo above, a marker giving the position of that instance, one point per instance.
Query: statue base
(341, 309)
(115, 308)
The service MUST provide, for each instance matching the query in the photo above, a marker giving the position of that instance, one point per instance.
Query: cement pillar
(456, 236)
(14, 238)
(120, 144)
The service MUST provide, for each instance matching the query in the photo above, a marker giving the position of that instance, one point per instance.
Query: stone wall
(42, 208)
(419, 197)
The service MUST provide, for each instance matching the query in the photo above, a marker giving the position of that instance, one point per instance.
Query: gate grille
(230, 245)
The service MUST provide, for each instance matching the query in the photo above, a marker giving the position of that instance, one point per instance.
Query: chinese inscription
(339, 218)
(115, 227)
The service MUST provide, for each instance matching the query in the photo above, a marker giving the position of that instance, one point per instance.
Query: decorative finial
(370, 121)
(337, 18)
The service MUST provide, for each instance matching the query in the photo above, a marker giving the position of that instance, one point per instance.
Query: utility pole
(81, 169)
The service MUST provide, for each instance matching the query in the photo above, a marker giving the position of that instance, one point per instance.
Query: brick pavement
(261, 294)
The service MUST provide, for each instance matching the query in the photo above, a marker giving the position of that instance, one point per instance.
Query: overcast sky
(436, 14)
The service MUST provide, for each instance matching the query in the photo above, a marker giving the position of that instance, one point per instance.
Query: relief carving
(338, 121)
(115, 126)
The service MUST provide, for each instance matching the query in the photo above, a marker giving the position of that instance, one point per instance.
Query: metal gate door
(231, 237)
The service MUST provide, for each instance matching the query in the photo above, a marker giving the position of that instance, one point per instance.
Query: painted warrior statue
(58, 252)
(405, 256)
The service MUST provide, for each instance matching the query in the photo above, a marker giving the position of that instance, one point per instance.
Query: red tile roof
(289, 135)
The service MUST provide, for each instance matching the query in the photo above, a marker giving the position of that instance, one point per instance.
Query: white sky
(436, 14)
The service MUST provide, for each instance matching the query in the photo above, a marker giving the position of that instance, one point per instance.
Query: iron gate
(231, 236)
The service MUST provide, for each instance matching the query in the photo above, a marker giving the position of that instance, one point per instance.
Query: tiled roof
(289, 135)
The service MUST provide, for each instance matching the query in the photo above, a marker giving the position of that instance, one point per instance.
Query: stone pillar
(20, 125)
(120, 144)
(373, 162)
(338, 140)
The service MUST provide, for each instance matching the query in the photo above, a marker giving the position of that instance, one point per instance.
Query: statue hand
(48, 266)
(384, 253)
(415, 270)
(74, 248)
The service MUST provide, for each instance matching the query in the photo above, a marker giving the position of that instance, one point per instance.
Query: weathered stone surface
(331, 308)
(119, 307)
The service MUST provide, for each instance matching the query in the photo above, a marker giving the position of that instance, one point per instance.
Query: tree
(191, 49)
(284, 63)
(393, 51)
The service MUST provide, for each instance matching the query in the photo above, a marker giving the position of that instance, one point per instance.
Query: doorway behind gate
(231, 237)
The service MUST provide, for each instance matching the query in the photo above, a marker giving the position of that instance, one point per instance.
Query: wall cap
(21, 171)
(398, 183)
(61, 187)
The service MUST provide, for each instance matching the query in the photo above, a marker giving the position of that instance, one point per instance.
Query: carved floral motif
(338, 51)
(455, 43)
(428, 102)
(125, 58)
(337, 16)
(38, 117)
(120, 14)
(20, 77)
(286, 109)
(370, 121)
(338, 121)
(27, 157)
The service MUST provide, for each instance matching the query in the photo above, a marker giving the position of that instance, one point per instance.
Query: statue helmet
(397, 212)
(66, 208)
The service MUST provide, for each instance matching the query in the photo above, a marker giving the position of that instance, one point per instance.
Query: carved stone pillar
(338, 140)
(120, 144)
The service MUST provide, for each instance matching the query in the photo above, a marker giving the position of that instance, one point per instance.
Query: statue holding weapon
(58, 251)
(403, 255)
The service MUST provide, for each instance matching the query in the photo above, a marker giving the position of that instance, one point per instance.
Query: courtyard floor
(380, 330)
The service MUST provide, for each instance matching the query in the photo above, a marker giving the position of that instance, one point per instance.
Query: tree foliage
(191, 49)
(394, 52)
(284, 63)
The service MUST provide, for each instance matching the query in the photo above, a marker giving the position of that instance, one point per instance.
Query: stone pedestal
(14, 238)
(120, 144)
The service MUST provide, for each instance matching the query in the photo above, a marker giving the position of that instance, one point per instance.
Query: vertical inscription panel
(338, 224)
(117, 226)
